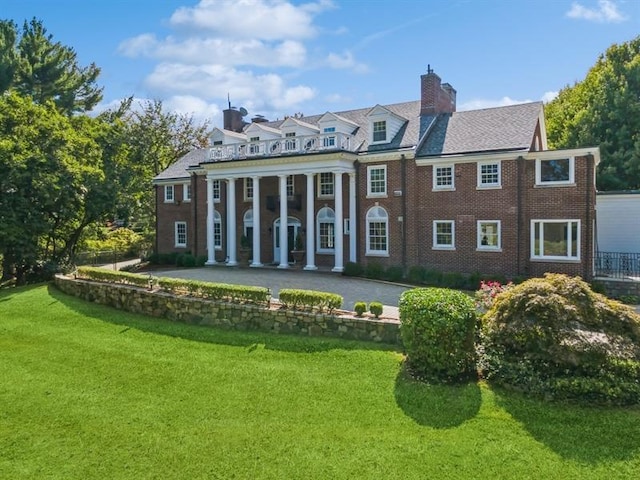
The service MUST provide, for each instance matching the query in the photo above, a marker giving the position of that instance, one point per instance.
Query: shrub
(112, 276)
(374, 270)
(554, 337)
(487, 293)
(352, 269)
(395, 273)
(360, 308)
(432, 277)
(416, 274)
(630, 299)
(453, 280)
(201, 260)
(473, 281)
(310, 300)
(375, 308)
(438, 329)
(188, 260)
(216, 291)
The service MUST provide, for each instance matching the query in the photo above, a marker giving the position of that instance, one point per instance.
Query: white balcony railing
(281, 146)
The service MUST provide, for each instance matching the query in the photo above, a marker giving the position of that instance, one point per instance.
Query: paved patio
(351, 289)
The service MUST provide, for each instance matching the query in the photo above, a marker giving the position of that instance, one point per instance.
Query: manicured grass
(91, 392)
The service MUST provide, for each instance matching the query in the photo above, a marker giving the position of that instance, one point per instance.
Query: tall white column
(232, 246)
(352, 218)
(339, 232)
(256, 223)
(211, 249)
(311, 256)
(284, 239)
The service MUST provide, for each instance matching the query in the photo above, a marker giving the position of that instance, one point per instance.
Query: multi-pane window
(443, 177)
(555, 239)
(377, 180)
(290, 141)
(217, 230)
(444, 232)
(248, 188)
(326, 220)
(555, 172)
(169, 193)
(290, 186)
(216, 190)
(489, 174)
(329, 140)
(254, 147)
(377, 231)
(325, 184)
(380, 131)
(186, 192)
(489, 235)
(181, 234)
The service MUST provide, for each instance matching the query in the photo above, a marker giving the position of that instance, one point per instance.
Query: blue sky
(277, 57)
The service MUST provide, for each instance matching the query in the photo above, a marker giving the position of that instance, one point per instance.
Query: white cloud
(263, 19)
(486, 103)
(548, 96)
(142, 45)
(345, 61)
(192, 105)
(607, 12)
(337, 98)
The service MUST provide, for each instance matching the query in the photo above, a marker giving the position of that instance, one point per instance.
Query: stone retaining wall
(199, 311)
(616, 288)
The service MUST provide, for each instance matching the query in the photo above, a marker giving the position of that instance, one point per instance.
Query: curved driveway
(352, 289)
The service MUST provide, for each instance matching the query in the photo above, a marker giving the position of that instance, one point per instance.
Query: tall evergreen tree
(604, 109)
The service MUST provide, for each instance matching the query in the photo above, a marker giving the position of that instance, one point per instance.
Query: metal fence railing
(94, 259)
(617, 265)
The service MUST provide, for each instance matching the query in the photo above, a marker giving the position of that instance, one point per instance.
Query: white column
(211, 249)
(352, 217)
(284, 243)
(256, 223)
(311, 257)
(339, 232)
(232, 246)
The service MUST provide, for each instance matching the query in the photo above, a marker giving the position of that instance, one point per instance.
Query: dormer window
(217, 142)
(380, 131)
(290, 141)
(329, 140)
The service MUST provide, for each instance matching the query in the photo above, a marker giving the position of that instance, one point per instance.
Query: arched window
(326, 222)
(377, 231)
(247, 225)
(217, 230)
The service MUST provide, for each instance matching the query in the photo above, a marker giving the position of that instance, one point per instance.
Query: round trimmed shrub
(438, 330)
(376, 308)
(360, 308)
(555, 338)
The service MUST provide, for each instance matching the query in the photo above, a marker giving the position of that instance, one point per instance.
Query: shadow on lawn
(586, 434)
(208, 334)
(437, 406)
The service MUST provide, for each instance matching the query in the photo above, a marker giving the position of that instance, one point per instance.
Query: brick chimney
(436, 97)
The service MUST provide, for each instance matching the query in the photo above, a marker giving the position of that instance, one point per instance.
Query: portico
(251, 182)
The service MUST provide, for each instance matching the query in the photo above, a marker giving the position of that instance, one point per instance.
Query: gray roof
(179, 168)
(486, 130)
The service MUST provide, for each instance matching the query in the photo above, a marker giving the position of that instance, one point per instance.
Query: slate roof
(497, 129)
(485, 130)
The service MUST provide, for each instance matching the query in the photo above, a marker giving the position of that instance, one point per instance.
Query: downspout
(355, 223)
(519, 193)
(155, 249)
(590, 228)
(194, 212)
(403, 173)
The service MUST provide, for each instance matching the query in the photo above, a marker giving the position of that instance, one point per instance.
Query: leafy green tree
(604, 109)
(36, 65)
(51, 186)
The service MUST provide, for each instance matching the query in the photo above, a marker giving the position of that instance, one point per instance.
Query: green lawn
(91, 392)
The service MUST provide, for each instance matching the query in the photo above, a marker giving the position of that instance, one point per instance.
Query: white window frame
(370, 218)
(186, 192)
(323, 216)
(290, 142)
(374, 124)
(216, 191)
(169, 193)
(444, 246)
(483, 185)
(567, 258)
(321, 184)
(177, 232)
(436, 175)
(370, 170)
(480, 237)
(248, 189)
(572, 173)
(291, 187)
(217, 237)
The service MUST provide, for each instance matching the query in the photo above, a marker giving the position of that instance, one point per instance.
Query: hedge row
(310, 300)
(216, 291)
(105, 275)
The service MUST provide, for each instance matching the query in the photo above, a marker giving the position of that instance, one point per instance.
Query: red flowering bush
(489, 290)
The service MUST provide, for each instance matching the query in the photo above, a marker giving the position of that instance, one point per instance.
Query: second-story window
(216, 190)
(329, 140)
(186, 192)
(325, 184)
(290, 186)
(489, 174)
(376, 180)
(248, 188)
(290, 141)
(555, 172)
(380, 131)
(168, 194)
(443, 177)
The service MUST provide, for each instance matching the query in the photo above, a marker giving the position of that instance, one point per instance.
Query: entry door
(292, 231)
